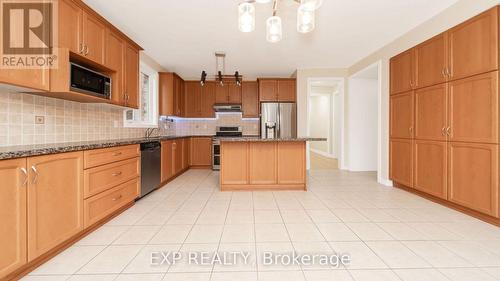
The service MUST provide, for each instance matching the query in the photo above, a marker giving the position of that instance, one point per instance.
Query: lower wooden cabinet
(167, 167)
(55, 199)
(401, 161)
(186, 151)
(291, 162)
(174, 157)
(104, 177)
(13, 228)
(237, 154)
(201, 151)
(178, 150)
(431, 168)
(104, 204)
(262, 164)
(473, 176)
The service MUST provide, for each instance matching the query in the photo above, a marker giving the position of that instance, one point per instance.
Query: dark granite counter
(19, 151)
(256, 138)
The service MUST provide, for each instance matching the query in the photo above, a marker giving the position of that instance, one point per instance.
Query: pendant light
(262, 1)
(311, 5)
(274, 31)
(246, 17)
(305, 20)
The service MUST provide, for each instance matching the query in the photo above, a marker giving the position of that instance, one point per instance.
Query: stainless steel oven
(222, 132)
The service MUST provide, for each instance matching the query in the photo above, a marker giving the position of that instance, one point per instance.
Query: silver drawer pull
(117, 174)
(117, 198)
(36, 174)
(25, 172)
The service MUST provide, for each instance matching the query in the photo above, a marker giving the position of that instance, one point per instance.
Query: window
(147, 114)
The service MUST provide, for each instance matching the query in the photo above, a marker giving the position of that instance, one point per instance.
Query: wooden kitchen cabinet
(473, 107)
(201, 151)
(37, 79)
(131, 83)
(402, 72)
(172, 95)
(186, 149)
(431, 61)
(228, 93)
(115, 48)
(70, 27)
(236, 173)
(262, 164)
(268, 90)
(94, 38)
(180, 99)
(193, 99)
(431, 113)
(55, 200)
(473, 176)
(291, 162)
(474, 45)
(208, 100)
(178, 151)
(221, 93)
(167, 162)
(401, 115)
(13, 215)
(102, 178)
(401, 161)
(287, 90)
(250, 99)
(431, 170)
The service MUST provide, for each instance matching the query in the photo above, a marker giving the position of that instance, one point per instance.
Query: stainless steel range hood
(227, 107)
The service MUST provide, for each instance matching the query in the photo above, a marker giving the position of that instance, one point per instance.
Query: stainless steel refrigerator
(278, 120)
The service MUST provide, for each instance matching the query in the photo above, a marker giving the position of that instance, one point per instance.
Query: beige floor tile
(369, 231)
(174, 233)
(113, 259)
(466, 274)
(361, 256)
(323, 275)
(374, 275)
(302, 232)
(281, 276)
(397, 255)
(69, 261)
(205, 234)
(420, 275)
(271, 233)
(238, 233)
(137, 235)
(268, 216)
(337, 232)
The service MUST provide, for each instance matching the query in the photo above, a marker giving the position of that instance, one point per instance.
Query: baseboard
(385, 182)
(322, 153)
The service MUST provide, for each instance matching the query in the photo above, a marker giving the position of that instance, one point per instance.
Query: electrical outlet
(39, 119)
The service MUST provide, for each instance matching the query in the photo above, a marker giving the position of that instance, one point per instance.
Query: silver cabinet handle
(25, 172)
(35, 178)
(443, 72)
(410, 130)
(443, 131)
(448, 72)
(448, 131)
(80, 50)
(86, 50)
(411, 84)
(117, 198)
(116, 174)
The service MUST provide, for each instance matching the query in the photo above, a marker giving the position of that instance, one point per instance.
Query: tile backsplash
(68, 121)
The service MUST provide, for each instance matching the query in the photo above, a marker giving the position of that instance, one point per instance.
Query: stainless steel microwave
(90, 82)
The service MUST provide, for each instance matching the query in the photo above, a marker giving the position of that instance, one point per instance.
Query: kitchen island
(263, 164)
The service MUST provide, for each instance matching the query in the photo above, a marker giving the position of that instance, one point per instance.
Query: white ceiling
(183, 35)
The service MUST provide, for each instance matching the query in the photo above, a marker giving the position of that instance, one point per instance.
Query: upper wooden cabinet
(474, 45)
(250, 99)
(431, 61)
(431, 113)
(37, 79)
(70, 26)
(401, 115)
(131, 76)
(13, 215)
(193, 99)
(55, 200)
(473, 106)
(172, 94)
(207, 100)
(402, 72)
(115, 54)
(228, 93)
(277, 90)
(94, 38)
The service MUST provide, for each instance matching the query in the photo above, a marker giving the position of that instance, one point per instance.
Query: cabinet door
(182, 97)
(237, 154)
(221, 93)
(401, 161)
(115, 47)
(167, 169)
(193, 99)
(262, 163)
(201, 151)
(473, 176)
(208, 100)
(166, 93)
(286, 90)
(178, 150)
(474, 45)
(70, 26)
(250, 99)
(55, 201)
(13, 215)
(473, 105)
(431, 60)
(431, 112)
(401, 115)
(268, 90)
(291, 162)
(31, 78)
(431, 168)
(94, 38)
(186, 147)
(234, 93)
(401, 72)
(132, 76)
(178, 96)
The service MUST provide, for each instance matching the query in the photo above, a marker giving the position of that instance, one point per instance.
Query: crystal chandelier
(305, 18)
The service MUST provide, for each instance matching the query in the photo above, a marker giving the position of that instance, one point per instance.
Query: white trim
(322, 153)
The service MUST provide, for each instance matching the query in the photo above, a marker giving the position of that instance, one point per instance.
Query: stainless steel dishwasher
(150, 167)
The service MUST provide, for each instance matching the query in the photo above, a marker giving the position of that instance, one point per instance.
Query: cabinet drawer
(104, 204)
(102, 178)
(97, 157)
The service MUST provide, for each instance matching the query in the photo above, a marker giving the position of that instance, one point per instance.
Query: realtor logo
(28, 33)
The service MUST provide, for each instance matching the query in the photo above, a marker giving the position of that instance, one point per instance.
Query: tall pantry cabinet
(444, 120)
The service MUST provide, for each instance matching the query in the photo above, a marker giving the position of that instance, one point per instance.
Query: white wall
(362, 125)
(337, 124)
(459, 12)
(319, 121)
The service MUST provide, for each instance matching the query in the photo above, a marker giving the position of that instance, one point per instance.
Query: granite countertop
(18, 151)
(259, 139)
